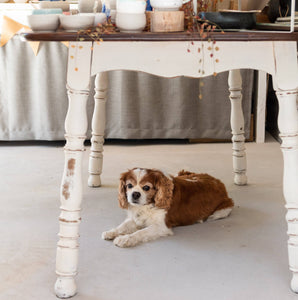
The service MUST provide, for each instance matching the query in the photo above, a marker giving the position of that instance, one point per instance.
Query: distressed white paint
(71, 187)
(288, 125)
(237, 125)
(260, 116)
(98, 129)
(286, 91)
(171, 59)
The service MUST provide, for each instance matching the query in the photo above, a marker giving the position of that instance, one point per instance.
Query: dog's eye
(129, 186)
(146, 188)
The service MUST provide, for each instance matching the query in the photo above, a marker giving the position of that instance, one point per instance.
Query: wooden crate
(167, 21)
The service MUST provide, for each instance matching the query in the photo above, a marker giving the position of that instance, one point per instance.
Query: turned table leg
(237, 125)
(285, 81)
(78, 78)
(98, 129)
(288, 126)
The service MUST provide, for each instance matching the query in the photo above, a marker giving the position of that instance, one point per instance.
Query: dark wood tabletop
(158, 37)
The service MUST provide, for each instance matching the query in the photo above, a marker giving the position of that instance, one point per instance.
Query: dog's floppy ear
(164, 195)
(122, 191)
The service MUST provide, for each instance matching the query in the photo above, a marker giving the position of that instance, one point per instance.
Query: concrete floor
(241, 257)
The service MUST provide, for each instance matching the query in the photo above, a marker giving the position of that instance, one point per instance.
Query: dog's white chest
(147, 215)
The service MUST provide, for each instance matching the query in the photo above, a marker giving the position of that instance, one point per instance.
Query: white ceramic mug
(130, 22)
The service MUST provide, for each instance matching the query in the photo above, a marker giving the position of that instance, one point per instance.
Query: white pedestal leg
(237, 125)
(285, 82)
(71, 186)
(98, 129)
(288, 126)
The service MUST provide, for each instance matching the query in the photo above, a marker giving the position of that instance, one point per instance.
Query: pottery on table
(47, 11)
(77, 22)
(130, 22)
(43, 22)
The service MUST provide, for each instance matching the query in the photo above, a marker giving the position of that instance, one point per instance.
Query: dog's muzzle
(135, 197)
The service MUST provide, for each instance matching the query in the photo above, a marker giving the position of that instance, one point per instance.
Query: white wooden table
(167, 55)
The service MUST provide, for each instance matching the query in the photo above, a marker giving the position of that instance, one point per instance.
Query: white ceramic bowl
(98, 17)
(64, 5)
(76, 22)
(127, 22)
(43, 22)
(129, 6)
(166, 4)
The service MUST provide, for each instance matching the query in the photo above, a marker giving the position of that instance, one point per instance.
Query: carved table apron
(170, 55)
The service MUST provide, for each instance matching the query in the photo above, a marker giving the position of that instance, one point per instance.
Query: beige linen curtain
(33, 100)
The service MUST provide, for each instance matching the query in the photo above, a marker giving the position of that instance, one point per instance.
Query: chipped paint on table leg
(237, 125)
(288, 126)
(285, 81)
(69, 219)
(71, 185)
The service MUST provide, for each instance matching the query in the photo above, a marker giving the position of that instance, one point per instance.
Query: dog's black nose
(136, 195)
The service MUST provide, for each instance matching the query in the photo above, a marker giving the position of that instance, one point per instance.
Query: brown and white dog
(156, 203)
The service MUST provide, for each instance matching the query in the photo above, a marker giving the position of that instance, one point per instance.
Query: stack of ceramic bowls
(131, 15)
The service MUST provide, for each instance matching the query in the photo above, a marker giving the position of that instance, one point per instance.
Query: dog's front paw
(109, 235)
(125, 241)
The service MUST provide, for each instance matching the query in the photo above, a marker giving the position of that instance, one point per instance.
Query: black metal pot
(231, 19)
